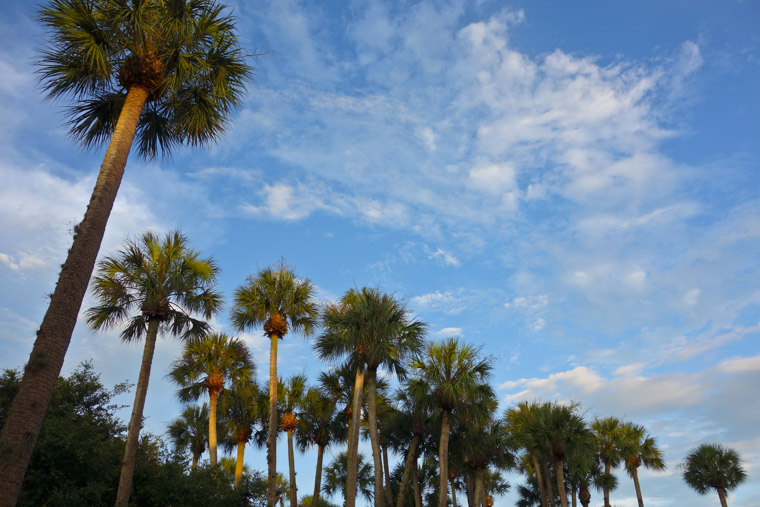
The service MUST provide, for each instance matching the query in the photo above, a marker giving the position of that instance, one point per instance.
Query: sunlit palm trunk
(410, 458)
(443, 456)
(239, 462)
(272, 437)
(318, 477)
(292, 467)
(213, 397)
(540, 482)
(133, 435)
(373, 437)
(480, 494)
(353, 444)
(27, 412)
(722, 496)
(386, 468)
(561, 482)
(635, 475)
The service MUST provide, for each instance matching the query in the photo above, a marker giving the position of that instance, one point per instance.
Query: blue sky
(571, 185)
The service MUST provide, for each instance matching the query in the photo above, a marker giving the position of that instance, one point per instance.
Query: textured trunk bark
(239, 463)
(443, 457)
(272, 437)
(548, 483)
(635, 475)
(574, 496)
(561, 482)
(212, 402)
(292, 468)
(416, 486)
(479, 493)
(607, 470)
(24, 421)
(353, 445)
(411, 456)
(318, 477)
(196, 458)
(133, 434)
(387, 474)
(722, 496)
(540, 482)
(453, 492)
(470, 487)
(373, 436)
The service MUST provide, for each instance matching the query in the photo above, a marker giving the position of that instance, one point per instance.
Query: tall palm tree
(485, 446)
(278, 300)
(291, 395)
(335, 477)
(415, 410)
(637, 449)
(522, 422)
(190, 430)
(712, 466)
(170, 73)
(452, 372)
(153, 285)
(319, 425)
(240, 412)
(608, 434)
(371, 329)
(207, 367)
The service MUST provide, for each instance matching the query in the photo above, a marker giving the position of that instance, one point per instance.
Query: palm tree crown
(190, 431)
(713, 466)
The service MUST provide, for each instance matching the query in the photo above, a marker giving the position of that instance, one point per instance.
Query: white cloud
(449, 331)
(447, 258)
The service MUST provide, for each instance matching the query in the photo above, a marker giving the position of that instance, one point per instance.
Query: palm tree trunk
(411, 456)
(479, 492)
(561, 482)
(607, 470)
(272, 437)
(318, 477)
(416, 485)
(239, 462)
(386, 468)
(635, 475)
(722, 496)
(353, 444)
(574, 496)
(548, 483)
(540, 481)
(453, 492)
(24, 421)
(443, 457)
(196, 458)
(292, 467)
(373, 437)
(469, 483)
(133, 435)
(212, 402)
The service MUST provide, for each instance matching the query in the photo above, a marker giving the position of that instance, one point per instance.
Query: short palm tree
(190, 431)
(415, 411)
(319, 425)
(370, 329)
(153, 285)
(638, 448)
(712, 466)
(278, 300)
(608, 433)
(335, 477)
(168, 73)
(239, 413)
(207, 367)
(522, 425)
(452, 372)
(291, 395)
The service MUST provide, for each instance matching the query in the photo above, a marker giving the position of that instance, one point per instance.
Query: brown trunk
(196, 458)
(607, 470)
(416, 485)
(540, 481)
(470, 487)
(212, 402)
(574, 496)
(548, 483)
(443, 457)
(411, 456)
(373, 437)
(353, 445)
(722, 496)
(479, 493)
(22, 427)
(635, 474)
(133, 434)
(561, 481)
(239, 462)
(318, 477)
(272, 440)
(292, 467)
(386, 468)
(453, 492)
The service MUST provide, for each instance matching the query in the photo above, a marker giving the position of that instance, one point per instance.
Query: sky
(571, 186)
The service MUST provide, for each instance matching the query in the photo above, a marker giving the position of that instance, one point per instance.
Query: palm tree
(154, 285)
(291, 394)
(336, 477)
(170, 73)
(190, 430)
(278, 300)
(240, 412)
(414, 415)
(712, 466)
(522, 424)
(207, 367)
(319, 426)
(485, 446)
(608, 433)
(371, 329)
(638, 448)
(452, 372)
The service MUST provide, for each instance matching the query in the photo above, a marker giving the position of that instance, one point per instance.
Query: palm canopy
(713, 466)
(319, 424)
(336, 472)
(190, 431)
(184, 53)
(155, 279)
(639, 448)
(240, 413)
